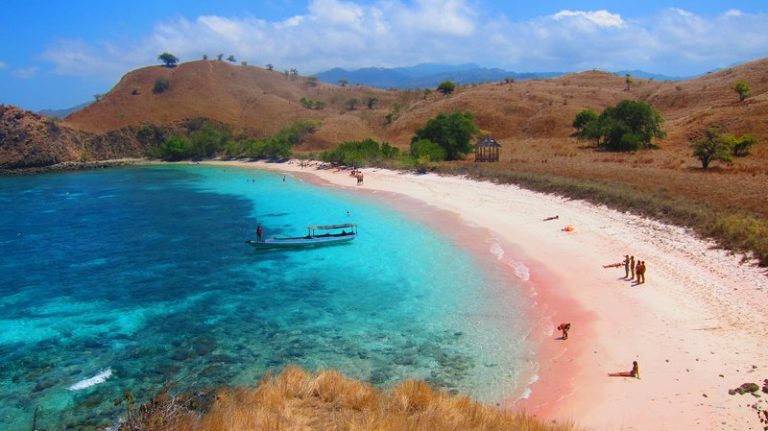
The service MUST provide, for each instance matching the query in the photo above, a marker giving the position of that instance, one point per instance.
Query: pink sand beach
(697, 326)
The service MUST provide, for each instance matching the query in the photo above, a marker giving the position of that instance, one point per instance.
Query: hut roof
(487, 142)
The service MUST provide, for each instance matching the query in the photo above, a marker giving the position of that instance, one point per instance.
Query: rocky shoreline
(70, 166)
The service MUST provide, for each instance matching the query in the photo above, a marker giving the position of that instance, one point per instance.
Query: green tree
(446, 87)
(205, 56)
(312, 81)
(232, 59)
(711, 147)
(343, 82)
(582, 122)
(219, 57)
(452, 132)
(352, 103)
(175, 148)
(740, 145)
(168, 59)
(270, 67)
(742, 87)
(371, 101)
(628, 126)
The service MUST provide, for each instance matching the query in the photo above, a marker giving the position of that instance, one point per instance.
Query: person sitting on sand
(635, 372)
(613, 265)
(564, 327)
(554, 217)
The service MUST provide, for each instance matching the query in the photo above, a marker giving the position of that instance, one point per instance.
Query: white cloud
(348, 33)
(2, 65)
(25, 73)
(600, 18)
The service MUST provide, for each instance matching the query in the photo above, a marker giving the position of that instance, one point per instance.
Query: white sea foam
(95, 380)
(528, 391)
(521, 271)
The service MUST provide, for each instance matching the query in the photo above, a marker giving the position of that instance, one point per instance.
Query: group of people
(634, 270)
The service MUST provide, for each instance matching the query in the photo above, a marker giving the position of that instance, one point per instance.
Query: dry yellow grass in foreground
(298, 400)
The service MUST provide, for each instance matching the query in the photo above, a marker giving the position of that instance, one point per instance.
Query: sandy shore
(697, 327)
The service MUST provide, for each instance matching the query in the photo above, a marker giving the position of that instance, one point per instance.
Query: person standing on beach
(641, 272)
(632, 267)
(626, 266)
(259, 232)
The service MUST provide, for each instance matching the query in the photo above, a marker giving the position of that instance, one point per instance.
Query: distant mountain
(432, 74)
(61, 113)
(424, 75)
(648, 75)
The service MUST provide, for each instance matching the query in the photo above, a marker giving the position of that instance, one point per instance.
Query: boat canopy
(332, 226)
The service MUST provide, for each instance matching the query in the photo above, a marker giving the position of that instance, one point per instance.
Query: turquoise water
(140, 276)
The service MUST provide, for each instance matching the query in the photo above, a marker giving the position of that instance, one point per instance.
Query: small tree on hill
(220, 57)
(343, 83)
(711, 147)
(232, 59)
(370, 101)
(205, 56)
(352, 103)
(628, 126)
(585, 124)
(168, 59)
(312, 81)
(446, 87)
(742, 87)
(740, 145)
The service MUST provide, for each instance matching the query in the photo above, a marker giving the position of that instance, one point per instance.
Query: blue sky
(57, 54)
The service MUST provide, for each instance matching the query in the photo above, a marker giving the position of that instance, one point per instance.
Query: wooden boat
(330, 234)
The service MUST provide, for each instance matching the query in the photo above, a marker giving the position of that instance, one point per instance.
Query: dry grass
(296, 400)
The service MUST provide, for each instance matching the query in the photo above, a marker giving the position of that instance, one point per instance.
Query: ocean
(127, 279)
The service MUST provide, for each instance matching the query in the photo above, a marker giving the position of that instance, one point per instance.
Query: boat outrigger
(334, 234)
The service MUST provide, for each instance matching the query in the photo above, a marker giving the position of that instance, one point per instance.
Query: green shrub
(359, 153)
(424, 149)
(161, 84)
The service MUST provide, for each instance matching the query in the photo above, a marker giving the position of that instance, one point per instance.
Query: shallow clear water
(144, 271)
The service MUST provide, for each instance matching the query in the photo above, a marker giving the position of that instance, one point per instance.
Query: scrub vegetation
(298, 400)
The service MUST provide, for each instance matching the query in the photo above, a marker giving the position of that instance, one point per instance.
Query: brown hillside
(253, 100)
(531, 119)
